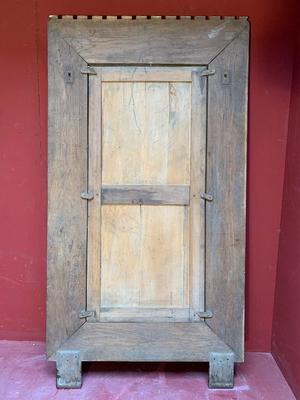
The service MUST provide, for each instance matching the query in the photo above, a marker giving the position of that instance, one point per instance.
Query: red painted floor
(25, 374)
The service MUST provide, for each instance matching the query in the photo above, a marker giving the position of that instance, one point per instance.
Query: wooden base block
(68, 365)
(221, 368)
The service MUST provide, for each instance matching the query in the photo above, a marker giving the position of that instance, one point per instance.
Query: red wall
(286, 325)
(23, 160)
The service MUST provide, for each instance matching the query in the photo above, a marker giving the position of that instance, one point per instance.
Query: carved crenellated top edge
(139, 17)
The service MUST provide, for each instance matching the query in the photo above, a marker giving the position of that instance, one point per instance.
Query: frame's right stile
(226, 178)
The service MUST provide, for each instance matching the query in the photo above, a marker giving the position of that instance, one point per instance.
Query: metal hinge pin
(208, 72)
(207, 197)
(88, 71)
(87, 195)
(205, 314)
(87, 313)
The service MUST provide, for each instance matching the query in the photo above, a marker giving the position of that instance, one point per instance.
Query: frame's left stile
(67, 178)
(94, 185)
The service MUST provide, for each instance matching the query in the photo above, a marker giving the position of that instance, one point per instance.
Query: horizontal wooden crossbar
(146, 194)
(144, 314)
(148, 74)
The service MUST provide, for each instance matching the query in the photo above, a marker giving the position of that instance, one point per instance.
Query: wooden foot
(68, 366)
(221, 366)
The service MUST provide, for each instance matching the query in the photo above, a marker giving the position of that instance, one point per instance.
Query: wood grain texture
(221, 370)
(142, 314)
(145, 139)
(145, 249)
(197, 205)
(144, 256)
(226, 178)
(152, 41)
(68, 369)
(145, 342)
(94, 186)
(146, 194)
(67, 177)
(147, 74)
(148, 139)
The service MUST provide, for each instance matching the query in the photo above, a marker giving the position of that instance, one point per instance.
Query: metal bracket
(68, 74)
(208, 72)
(207, 197)
(226, 78)
(205, 314)
(87, 195)
(88, 71)
(87, 313)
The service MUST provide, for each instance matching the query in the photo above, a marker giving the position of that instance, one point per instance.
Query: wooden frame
(220, 46)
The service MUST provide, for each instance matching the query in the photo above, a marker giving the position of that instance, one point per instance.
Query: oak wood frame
(219, 44)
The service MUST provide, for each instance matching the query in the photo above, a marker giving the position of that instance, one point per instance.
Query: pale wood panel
(197, 205)
(152, 41)
(226, 177)
(147, 140)
(147, 74)
(146, 194)
(144, 256)
(67, 177)
(94, 185)
(179, 136)
(145, 342)
(122, 133)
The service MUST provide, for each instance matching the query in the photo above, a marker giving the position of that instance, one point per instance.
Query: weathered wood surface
(141, 314)
(145, 342)
(221, 369)
(94, 186)
(149, 41)
(146, 143)
(145, 160)
(197, 205)
(148, 74)
(147, 140)
(68, 369)
(226, 178)
(135, 102)
(146, 194)
(144, 256)
(67, 177)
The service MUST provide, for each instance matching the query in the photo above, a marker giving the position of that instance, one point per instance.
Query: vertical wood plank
(155, 145)
(197, 205)
(141, 266)
(122, 157)
(179, 133)
(226, 177)
(67, 177)
(156, 115)
(94, 206)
